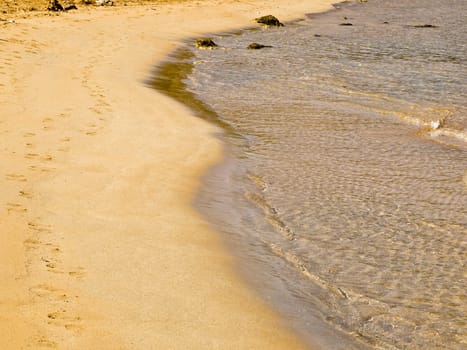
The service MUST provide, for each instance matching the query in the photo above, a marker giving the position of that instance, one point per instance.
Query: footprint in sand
(56, 314)
(15, 207)
(31, 155)
(25, 194)
(62, 319)
(16, 177)
(54, 249)
(47, 124)
(64, 148)
(47, 158)
(78, 273)
(32, 243)
(50, 265)
(41, 169)
(102, 103)
(46, 343)
(37, 227)
(49, 292)
(73, 327)
(95, 110)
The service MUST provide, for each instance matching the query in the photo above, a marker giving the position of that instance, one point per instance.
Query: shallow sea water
(344, 190)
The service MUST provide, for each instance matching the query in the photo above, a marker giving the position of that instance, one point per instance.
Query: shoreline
(100, 173)
(216, 187)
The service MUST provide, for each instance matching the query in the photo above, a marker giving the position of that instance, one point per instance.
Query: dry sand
(100, 247)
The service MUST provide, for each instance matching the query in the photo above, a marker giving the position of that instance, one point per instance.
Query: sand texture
(100, 247)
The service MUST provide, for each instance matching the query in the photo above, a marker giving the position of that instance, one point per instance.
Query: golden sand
(100, 247)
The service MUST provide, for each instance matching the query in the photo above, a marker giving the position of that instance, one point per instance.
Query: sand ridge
(99, 245)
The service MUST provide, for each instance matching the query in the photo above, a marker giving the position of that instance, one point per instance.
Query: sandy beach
(100, 246)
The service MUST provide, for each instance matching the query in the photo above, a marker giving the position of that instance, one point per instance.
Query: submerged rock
(424, 26)
(346, 24)
(205, 43)
(256, 46)
(269, 20)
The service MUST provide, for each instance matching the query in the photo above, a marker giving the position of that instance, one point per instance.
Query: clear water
(345, 191)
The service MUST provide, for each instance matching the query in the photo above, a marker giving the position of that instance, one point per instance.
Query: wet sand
(100, 247)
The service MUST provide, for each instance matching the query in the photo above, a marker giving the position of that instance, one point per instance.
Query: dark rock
(269, 20)
(205, 43)
(256, 46)
(317, 35)
(54, 5)
(346, 24)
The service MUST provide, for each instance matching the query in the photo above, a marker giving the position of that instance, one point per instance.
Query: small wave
(434, 122)
(271, 215)
(301, 266)
(460, 135)
(440, 127)
(426, 119)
